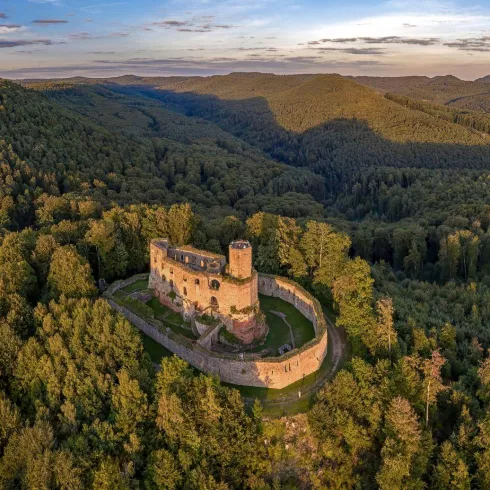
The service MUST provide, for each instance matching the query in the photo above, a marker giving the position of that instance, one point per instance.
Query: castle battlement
(197, 282)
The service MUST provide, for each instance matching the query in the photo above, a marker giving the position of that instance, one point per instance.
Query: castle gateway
(199, 283)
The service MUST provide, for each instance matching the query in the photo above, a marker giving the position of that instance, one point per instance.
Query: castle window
(196, 282)
(171, 283)
(185, 291)
(185, 279)
(202, 263)
(182, 258)
(171, 270)
(214, 302)
(164, 278)
(214, 284)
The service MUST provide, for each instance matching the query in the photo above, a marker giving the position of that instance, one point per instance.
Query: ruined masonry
(196, 283)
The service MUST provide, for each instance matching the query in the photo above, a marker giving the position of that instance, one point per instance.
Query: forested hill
(447, 90)
(137, 155)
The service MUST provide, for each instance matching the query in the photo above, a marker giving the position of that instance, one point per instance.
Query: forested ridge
(307, 168)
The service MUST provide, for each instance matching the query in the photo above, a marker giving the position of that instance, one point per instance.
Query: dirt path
(337, 354)
(282, 315)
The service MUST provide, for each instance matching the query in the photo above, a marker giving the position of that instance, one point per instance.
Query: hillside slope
(301, 102)
(448, 90)
(96, 142)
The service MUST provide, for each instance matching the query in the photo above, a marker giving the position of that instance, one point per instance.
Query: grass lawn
(170, 318)
(156, 351)
(120, 294)
(136, 286)
(279, 333)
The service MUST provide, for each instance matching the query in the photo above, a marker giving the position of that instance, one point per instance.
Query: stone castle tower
(240, 263)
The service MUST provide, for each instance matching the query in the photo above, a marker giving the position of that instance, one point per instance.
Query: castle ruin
(198, 283)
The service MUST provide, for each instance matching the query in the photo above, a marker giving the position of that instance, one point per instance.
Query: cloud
(87, 36)
(380, 40)
(479, 44)
(3, 15)
(22, 42)
(358, 51)
(190, 26)
(341, 40)
(303, 59)
(400, 40)
(6, 28)
(171, 23)
(49, 21)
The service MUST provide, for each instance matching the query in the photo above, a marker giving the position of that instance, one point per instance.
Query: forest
(394, 195)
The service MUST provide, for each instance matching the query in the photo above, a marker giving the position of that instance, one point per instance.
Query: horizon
(67, 38)
(237, 73)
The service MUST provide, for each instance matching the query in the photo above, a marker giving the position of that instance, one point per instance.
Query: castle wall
(246, 369)
(291, 292)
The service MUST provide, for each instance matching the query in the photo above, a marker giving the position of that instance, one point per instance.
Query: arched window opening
(185, 291)
(196, 282)
(214, 302)
(171, 283)
(214, 284)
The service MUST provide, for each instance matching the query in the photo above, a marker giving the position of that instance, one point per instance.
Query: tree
(484, 375)
(451, 471)
(386, 333)
(353, 292)
(181, 223)
(402, 443)
(325, 252)
(482, 455)
(70, 274)
(433, 385)
(449, 256)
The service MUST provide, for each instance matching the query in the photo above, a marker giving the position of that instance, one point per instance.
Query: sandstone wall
(245, 369)
(294, 294)
(201, 288)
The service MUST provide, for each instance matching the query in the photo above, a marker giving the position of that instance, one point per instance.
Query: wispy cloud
(3, 15)
(380, 40)
(87, 36)
(481, 44)
(191, 25)
(358, 51)
(14, 43)
(49, 21)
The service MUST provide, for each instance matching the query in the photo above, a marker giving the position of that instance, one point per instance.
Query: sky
(64, 38)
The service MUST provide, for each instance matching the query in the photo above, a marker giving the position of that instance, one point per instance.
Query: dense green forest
(305, 167)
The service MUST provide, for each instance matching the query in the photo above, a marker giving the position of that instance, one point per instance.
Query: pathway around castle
(296, 402)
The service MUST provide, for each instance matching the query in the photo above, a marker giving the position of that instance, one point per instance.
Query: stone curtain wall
(269, 372)
(294, 294)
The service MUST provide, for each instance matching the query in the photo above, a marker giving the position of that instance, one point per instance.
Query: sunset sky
(59, 38)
